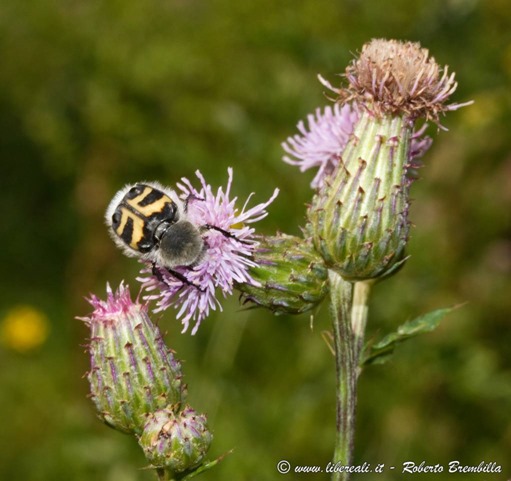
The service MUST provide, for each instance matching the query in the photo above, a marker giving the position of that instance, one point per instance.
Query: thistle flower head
(398, 78)
(291, 275)
(229, 244)
(177, 441)
(132, 372)
(358, 219)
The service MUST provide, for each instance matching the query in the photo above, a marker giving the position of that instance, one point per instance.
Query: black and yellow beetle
(148, 221)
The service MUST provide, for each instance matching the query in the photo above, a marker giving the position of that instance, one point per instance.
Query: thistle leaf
(382, 351)
(204, 467)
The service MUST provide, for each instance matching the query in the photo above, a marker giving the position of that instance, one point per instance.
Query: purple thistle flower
(229, 245)
(321, 144)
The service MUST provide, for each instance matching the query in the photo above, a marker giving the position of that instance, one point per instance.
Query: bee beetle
(148, 221)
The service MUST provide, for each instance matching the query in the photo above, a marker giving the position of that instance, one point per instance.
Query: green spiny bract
(177, 441)
(358, 220)
(291, 276)
(133, 373)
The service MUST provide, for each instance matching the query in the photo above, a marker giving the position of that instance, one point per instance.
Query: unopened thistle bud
(175, 441)
(290, 276)
(133, 373)
(359, 216)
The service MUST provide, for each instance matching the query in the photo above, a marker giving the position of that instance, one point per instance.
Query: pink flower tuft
(322, 142)
(117, 304)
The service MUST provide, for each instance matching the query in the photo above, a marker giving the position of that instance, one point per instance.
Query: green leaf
(382, 351)
(203, 467)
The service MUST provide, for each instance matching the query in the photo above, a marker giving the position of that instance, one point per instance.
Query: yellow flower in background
(24, 328)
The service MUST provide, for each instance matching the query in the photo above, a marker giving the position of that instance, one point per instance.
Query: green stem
(346, 371)
(359, 311)
(164, 475)
(349, 318)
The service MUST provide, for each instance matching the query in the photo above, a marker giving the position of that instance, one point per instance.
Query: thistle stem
(164, 475)
(346, 371)
(359, 311)
(349, 316)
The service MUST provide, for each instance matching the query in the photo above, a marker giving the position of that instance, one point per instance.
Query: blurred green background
(96, 94)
